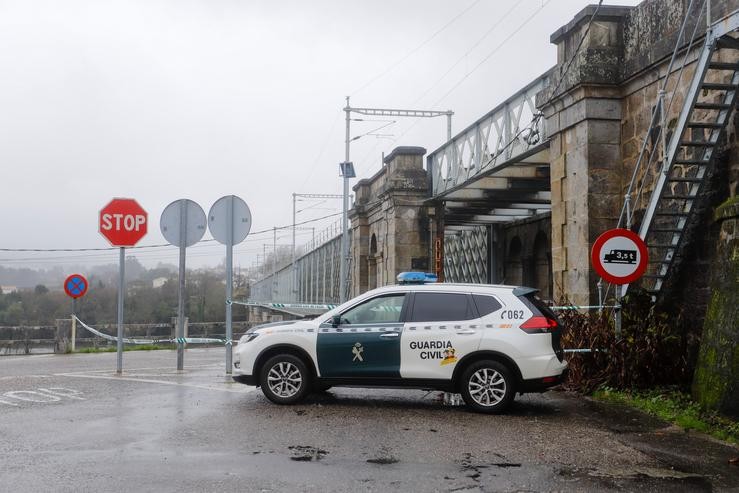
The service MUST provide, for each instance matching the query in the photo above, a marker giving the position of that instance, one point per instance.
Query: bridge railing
(313, 279)
(506, 132)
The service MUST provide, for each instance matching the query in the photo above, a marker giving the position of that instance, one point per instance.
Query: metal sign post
(75, 286)
(123, 222)
(182, 224)
(74, 325)
(121, 292)
(229, 221)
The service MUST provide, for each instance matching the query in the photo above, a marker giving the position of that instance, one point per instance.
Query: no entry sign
(619, 256)
(123, 222)
(75, 286)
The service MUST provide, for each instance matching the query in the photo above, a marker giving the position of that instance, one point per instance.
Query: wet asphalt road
(68, 423)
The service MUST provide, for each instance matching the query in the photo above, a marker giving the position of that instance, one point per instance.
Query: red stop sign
(123, 222)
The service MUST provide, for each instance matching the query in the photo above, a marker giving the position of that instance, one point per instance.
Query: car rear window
(486, 304)
(541, 306)
(441, 307)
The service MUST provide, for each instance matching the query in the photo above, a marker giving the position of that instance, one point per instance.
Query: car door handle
(390, 334)
(466, 331)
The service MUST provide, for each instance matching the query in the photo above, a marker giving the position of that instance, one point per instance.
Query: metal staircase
(688, 158)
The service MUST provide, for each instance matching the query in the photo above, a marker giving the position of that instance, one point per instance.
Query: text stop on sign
(129, 222)
(123, 222)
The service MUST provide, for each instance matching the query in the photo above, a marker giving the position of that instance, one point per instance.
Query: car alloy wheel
(285, 379)
(487, 386)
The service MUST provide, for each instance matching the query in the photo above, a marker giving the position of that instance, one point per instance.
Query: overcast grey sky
(165, 99)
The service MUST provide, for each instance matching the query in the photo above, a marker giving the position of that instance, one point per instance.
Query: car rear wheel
(285, 379)
(487, 387)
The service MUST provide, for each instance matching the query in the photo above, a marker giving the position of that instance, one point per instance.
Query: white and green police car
(486, 342)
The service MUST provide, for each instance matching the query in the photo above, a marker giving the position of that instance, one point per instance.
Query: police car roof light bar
(416, 278)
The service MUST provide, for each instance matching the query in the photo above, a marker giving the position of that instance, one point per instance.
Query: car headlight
(248, 337)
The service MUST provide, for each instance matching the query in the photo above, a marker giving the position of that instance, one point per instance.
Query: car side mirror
(336, 320)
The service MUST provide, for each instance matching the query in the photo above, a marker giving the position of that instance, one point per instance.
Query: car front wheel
(285, 379)
(487, 387)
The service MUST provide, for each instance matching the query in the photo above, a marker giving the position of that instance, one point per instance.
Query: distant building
(9, 289)
(159, 282)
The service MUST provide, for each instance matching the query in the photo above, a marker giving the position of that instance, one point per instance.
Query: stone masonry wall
(607, 100)
(532, 266)
(597, 114)
(390, 222)
(716, 382)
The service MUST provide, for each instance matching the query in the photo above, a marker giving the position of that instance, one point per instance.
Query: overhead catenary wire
(328, 138)
(492, 52)
(473, 70)
(414, 50)
(538, 115)
(466, 54)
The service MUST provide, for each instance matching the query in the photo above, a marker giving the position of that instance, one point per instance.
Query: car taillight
(539, 324)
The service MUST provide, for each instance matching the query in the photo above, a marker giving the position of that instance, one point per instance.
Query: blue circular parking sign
(75, 286)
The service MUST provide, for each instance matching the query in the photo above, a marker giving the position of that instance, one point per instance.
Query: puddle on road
(639, 478)
(383, 460)
(306, 453)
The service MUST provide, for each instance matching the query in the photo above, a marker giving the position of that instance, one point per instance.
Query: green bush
(655, 349)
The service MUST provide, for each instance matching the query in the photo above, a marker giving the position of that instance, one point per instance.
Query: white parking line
(245, 389)
(32, 396)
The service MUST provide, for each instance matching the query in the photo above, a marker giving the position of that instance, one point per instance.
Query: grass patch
(675, 407)
(138, 347)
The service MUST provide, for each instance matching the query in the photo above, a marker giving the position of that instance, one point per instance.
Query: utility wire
(535, 120)
(460, 59)
(485, 59)
(160, 245)
(414, 50)
(491, 53)
(330, 134)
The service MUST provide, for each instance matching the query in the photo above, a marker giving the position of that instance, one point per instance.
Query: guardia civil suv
(486, 342)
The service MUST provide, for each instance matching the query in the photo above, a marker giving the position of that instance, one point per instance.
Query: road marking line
(162, 382)
(68, 393)
(17, 394)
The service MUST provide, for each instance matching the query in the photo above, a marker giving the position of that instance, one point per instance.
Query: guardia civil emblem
(357, 350)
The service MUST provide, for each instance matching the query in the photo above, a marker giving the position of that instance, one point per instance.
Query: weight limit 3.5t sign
(619, 256)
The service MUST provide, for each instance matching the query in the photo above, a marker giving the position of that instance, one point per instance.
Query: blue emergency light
(416, 278)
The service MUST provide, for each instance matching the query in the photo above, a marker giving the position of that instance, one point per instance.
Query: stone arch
(514, 263)
(542, 263)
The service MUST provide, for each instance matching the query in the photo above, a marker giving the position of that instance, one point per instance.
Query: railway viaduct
(634, 126)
